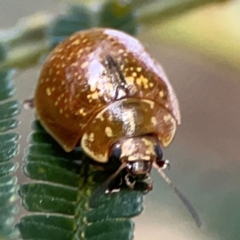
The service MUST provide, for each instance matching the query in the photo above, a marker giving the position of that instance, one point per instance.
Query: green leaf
(114, 14)
(76, 19)
(63, 186)
(8, 149)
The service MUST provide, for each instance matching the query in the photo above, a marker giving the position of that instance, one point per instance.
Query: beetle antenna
(184, 200)
(102, 188)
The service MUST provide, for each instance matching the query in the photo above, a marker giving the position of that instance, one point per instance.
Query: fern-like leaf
(8, 150)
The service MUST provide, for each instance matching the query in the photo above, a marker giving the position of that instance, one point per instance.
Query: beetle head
(139, 153)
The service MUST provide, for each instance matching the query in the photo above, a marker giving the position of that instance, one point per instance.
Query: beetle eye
(116, 152)
(158, 152)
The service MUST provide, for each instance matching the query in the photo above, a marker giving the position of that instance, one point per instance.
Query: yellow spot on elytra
(76, 42)
(82, 112)
(83, 65)
(95, 95)
(167, 117)
(151, 84)
(161, 93)
(134, 74)
(139, 69)
(93, 88)
(61, 110)
(154, 120)
(91, 137)
(142, 81)
(48, 91)
(92, 96)
(120, 51)
(110, 117)
(50, 71)
(108, 132)
(100, 117)
(151, 104)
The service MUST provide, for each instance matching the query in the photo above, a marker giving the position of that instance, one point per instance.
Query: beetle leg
(29, 103)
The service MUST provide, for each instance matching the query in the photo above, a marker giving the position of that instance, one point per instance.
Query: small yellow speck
(82, 112)
(61, 111)
(76, 42)
(48, 91)
(83, 65)
(152, 104)
(167, 117)
(139, 69)
(93, 88)
(91, 137)
(161, 93)
(108, 132)
(154, 120)
(134, 74)
(95, 95)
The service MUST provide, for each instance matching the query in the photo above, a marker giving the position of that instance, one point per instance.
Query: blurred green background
(200, 51)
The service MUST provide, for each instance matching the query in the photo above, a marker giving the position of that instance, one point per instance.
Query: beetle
(102, 88)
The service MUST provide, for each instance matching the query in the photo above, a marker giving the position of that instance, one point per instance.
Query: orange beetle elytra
(102, 88)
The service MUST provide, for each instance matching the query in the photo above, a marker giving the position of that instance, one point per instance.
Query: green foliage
(63, 186)
(8, 149)
(59, 190)
(111, 14)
